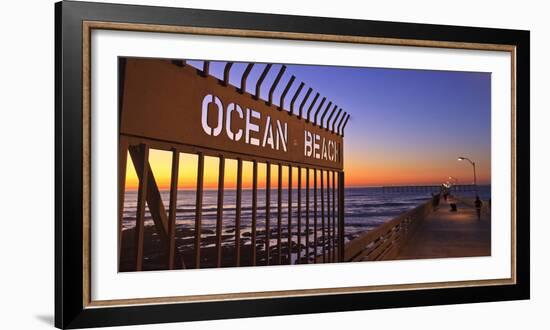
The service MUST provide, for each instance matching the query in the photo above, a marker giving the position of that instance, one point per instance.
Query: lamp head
(460, 158)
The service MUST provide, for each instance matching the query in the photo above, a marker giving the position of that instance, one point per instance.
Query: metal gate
(171, 106)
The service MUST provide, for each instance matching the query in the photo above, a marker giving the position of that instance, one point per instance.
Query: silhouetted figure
(478, 204)
(435, 200)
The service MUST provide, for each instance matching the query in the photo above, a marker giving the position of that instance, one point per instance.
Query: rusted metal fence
(314, 229)
(291, 245)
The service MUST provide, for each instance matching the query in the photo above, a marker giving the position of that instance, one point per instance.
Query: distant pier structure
(427, 188)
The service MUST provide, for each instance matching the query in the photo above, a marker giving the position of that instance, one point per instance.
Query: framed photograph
(216, 164)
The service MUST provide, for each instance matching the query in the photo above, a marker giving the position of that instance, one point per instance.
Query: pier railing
(385, 241)
(427, 188)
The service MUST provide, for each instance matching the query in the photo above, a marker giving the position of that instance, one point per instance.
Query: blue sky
(406, 126)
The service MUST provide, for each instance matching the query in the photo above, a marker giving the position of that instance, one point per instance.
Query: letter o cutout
(209, 98)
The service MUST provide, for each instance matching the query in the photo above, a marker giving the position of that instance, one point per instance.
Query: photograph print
(237, 164)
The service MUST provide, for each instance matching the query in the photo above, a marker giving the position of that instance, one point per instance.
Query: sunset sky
(406, 126)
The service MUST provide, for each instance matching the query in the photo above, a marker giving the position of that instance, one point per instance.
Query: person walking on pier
(435, 200)
(478, 204)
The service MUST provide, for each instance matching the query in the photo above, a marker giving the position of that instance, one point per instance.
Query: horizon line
(303, 187)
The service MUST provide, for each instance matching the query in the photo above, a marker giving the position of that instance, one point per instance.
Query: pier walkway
(445, 234)
(427, 232)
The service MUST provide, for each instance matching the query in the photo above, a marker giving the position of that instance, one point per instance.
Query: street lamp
(474, 166)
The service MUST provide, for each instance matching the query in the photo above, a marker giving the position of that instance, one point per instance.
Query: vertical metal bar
(334, 239)
(173, 207)
(307, 215)
(340, 127)
(226, 72)
(335, 120)
(122, 163)
(318, 109)
(330, 117)
(279, 211)
(345, 123)
(267, 211)
(205, 68)
(329, 243)
(275, 83)
(219, 211)
(323, 241)
(340, 122)
(245, 76)
(304, 102)
(298, 246)
(283, 94)
(315, 216)
(198, 210)
(311, 106)
(295, 97)
(289, 192)
(341, 225)
(254, 208)
(323, 116)
(238, 212)
(261, 80)
(140, 212)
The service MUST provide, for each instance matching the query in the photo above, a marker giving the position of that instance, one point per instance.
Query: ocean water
(365, 209)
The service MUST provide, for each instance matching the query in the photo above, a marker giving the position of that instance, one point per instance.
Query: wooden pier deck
(444, 234)
(427, 232)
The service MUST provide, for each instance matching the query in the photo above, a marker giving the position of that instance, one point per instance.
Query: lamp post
(474, 166)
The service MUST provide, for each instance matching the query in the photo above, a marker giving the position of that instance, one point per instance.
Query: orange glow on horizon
(358, 173)
(161, 166)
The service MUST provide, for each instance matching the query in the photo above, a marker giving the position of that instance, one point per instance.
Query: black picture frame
(70, 311)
